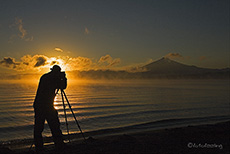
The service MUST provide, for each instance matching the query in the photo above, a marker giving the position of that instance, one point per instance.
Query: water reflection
(107, 105)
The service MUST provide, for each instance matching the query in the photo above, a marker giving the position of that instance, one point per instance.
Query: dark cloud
(9, 62)
(54, 62)
(41, 61)
(27, 62)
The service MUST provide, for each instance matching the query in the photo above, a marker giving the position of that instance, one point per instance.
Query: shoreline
(206, 138)
(136, 128)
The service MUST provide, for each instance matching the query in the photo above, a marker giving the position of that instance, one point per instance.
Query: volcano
(170, 67)
(164, 68)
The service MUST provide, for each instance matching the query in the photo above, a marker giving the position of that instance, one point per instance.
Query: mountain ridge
(164, 68)
(168, 66)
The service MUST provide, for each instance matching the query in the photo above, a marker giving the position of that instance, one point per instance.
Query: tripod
(63, 95)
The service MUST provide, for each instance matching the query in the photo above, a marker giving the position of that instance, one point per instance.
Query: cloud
(109, 60)
(40, 62)
(173, 55)
(106, 58)
(37, 62)
(115, 62)
(78, 63)
(87, 31)
(9, 62)
(27, 62)
(22, 31)
(58, 49)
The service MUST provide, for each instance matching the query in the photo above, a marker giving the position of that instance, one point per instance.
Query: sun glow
(54, 60)
(57, 102)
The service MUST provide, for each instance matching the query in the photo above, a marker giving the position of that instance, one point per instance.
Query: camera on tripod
(62, 83)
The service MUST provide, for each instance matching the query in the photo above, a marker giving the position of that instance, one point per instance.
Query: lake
(118, 106)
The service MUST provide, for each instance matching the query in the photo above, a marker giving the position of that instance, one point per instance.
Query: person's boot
(39, 150)
(60, 146)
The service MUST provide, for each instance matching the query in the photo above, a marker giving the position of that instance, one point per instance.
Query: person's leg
(54, 124)
(38, 129)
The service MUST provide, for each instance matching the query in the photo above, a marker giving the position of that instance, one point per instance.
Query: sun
(57, 61)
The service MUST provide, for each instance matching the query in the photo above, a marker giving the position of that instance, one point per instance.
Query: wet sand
(211, 138)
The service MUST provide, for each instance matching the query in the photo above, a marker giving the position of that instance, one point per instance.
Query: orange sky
(83, 35)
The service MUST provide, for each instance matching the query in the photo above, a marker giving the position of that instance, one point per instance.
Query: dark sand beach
(209, 138)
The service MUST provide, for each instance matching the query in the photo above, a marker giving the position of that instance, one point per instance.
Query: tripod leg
(66, 122)
(31, 146)
(73, 114)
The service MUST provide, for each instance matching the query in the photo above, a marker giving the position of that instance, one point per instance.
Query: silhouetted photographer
(44, 107)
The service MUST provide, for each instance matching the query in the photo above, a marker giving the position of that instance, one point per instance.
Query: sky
(112, 34)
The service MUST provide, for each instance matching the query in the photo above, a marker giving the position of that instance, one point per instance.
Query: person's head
(56, 69)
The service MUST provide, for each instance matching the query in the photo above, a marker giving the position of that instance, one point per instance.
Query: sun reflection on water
(57, 102)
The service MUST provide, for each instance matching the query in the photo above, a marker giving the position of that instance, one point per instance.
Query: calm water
(140, 105)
